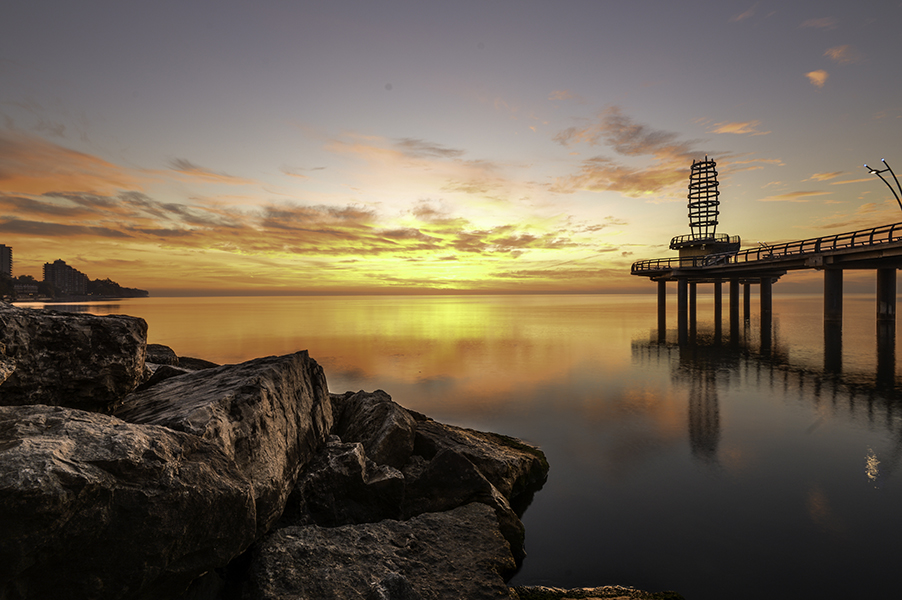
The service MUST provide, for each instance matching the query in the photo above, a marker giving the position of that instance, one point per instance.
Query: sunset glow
(350, 147)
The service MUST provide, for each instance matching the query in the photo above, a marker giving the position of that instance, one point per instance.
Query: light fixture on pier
(879, 173)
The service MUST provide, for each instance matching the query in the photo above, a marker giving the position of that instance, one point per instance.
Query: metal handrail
(852, 239)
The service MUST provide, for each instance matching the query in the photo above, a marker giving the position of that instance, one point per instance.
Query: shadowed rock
(384, 428)
(269, 415)
(76, 360)
(93, 507)
(449, 555)
(342, 486)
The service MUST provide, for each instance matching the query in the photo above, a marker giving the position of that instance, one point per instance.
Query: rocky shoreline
(127, 471)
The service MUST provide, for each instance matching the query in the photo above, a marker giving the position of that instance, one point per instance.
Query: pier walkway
(877, 248)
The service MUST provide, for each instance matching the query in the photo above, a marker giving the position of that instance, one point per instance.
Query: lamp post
(879, 173)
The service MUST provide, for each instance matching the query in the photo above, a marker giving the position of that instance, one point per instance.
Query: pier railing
(763, 253)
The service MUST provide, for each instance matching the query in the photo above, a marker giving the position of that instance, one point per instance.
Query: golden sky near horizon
(401, 147)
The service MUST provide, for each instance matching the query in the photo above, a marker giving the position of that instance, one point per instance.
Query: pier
(708, 258)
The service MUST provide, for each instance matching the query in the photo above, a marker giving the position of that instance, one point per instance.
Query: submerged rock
(93, 507)
(61, 359)
(451, 555)
(270, 415)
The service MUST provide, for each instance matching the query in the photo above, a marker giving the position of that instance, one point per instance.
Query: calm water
(713, 470)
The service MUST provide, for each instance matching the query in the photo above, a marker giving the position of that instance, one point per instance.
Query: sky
(200, 147)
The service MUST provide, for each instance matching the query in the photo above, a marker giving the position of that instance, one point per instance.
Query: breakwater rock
(122, 477)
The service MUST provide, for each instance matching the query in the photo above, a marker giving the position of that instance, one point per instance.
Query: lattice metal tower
(703, 199)
(704, 203)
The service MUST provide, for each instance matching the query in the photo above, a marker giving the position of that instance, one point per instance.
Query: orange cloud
(844, 55)
(817, 78)
(799, 196)
(30, 165)
(739, 128)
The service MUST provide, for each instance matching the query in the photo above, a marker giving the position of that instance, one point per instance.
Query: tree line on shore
(99, 288)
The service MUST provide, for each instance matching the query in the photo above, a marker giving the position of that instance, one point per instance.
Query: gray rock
(270, 415)
(385, 429)
(161, 355)
(453, 555)
(62, 359)
(511, 465)
(93, 507)
(450, 480)
(393, 587)
(341, 487)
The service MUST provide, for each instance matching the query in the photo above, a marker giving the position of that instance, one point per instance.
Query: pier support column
(682, 310)
(746, 302)
(718, 310)
(662, 310)
(886, 326)
(734, 311)
(767, 313)
(693, 321)
(833, 320)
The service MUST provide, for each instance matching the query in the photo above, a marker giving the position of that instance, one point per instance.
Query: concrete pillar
(693, 322)
(682, 310)
(746, 302)
(886, 327)
(833, 320)
(886, 295)
(718, 310)
(662, 310)
(767, 313)
(734, 311)
(833, 295)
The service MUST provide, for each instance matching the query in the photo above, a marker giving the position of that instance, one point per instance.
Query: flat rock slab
(62, 359)
(270, 415)
(455, 555)
(607, 592)
(93, 507)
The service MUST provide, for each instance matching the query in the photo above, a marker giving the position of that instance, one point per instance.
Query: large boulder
(513, 466)
(270, 415)
(342, 486)
(62, 359)
(93, 507)
(386, 430)
(452, 555)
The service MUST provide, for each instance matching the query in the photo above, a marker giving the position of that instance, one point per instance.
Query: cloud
(743, 16)
(844, 55)
(671, 155)
(566, 95)
(824, 176)
(421, 149)
(186, 167)
(818, 78)
(31, 165)
(799, 196)
(825, 23)
(738, 128)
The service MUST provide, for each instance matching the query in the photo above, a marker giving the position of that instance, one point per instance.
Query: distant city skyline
(356, 147)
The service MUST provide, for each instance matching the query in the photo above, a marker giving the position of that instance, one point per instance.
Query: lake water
(716, 470)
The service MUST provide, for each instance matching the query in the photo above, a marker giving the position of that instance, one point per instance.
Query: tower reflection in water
(706, 367)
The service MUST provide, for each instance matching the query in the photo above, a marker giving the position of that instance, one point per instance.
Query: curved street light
(879, 173)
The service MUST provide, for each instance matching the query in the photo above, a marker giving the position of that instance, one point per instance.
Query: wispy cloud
(186, 167)
(422, 149)
(825, 23)
(844, 55)
(824, 176)
(738, 127)
(31, 165)
(799, 196)
(745, 15)
(566, 95)
(817, 78)
(627, 138)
